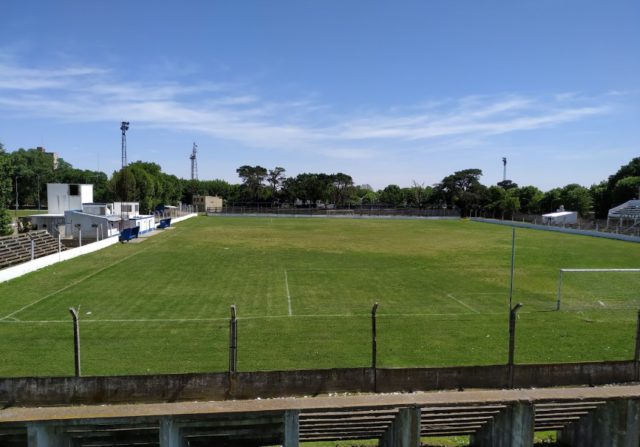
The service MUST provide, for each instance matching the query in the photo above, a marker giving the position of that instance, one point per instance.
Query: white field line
(286, 283)
(73, 284)
(462, 303)
(208, 320)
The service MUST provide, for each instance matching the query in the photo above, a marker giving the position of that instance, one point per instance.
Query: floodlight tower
(194, 162)
(504, 168)
(124, 127)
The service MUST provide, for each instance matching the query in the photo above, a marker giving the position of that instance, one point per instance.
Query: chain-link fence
(172, 345)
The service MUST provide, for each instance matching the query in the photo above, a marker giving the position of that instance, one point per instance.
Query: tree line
(24, 174)
(461, 190)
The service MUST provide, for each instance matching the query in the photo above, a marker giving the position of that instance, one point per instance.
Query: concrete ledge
(266, 384)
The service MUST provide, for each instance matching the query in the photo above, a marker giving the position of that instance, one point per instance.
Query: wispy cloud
(237, 112)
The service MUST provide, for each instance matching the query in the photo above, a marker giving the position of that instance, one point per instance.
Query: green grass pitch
(304, 290)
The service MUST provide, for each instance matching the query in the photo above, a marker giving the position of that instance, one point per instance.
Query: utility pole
(194, 162)
(124, 127)
(504, 168)
(16, 198)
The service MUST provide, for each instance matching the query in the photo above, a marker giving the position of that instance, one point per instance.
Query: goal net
(598, 288)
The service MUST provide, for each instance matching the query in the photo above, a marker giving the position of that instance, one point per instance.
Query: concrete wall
(510, 223)
(31, 266)
(265, 384)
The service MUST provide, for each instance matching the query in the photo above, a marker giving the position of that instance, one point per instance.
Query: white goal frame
(586, 271)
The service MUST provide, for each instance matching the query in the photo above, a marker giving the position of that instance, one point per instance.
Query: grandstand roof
(629, 210)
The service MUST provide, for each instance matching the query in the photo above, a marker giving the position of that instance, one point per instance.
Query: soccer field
(304, 290)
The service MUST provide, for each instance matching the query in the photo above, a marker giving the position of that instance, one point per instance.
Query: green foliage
(341, 188)
(530, 198)
(631, 169)
(577, 198)
(145, 183)
(392, 195)
(275, 178)
(626, 188)
(463, 190)
(309, 188)
(5, 193)
(507, 184)
(503, 202)
(33, 169)
(5, 222)
(252, 179)
(607, 195)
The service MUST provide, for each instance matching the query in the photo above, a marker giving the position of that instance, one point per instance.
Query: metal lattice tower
(194, 162)
(124, 127)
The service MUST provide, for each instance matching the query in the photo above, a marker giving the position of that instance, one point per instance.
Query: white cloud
(236, 112)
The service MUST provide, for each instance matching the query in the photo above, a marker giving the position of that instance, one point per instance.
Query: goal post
(562, 271)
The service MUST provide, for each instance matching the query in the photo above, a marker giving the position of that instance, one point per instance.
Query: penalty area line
(462, 303)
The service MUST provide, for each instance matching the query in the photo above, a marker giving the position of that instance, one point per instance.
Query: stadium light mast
(504, 168)
(124, 126)
(194, 162)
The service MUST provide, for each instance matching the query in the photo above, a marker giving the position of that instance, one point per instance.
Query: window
(74, 190)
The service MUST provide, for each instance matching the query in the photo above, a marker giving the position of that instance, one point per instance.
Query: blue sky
(386, 91)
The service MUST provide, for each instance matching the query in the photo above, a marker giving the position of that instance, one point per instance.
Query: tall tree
(341, 188)
(418, 195)
(577, 198)
(463, 190)
(5, 192)
(252, 179)
(275, 177)
(529, 197)
(626, 189)
(391, 195)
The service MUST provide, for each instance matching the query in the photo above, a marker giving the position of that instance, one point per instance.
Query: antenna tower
(504, 168)
(194, 162)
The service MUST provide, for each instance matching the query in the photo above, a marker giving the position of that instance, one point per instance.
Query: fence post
(559, 290)
(80, 238)
(59, 244)
(374, 340)
(636, 357)
(513, 264)
(374, 346)
(76, 340)
(33, 249)
(512, 341)
(233, 341)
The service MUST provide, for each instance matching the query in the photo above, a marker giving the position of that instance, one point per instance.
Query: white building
(146, 223)
(62, 197)
(92, 226)
(72, 212)
(126, 209)
(560, 218)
